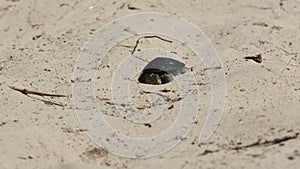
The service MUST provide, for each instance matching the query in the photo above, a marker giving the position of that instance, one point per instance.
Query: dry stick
(294, 57)
(48, 102)
(255, 144)
(267, 142)
(288, 53)
(132, 7)
(27, 92)
(146, 37)
(126, 46)
(287, 65)
(215, 68)
(256, 58)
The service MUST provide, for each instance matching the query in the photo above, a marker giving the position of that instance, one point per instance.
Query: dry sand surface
(39, 45)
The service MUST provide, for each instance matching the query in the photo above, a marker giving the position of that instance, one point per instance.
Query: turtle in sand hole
(161, 71)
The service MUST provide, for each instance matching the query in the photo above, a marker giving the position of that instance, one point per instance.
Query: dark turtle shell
(160, 71)
(168, 65)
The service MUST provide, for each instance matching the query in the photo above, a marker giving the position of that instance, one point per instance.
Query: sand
(40, 43)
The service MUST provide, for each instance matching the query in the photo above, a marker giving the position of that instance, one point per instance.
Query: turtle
(161, 71)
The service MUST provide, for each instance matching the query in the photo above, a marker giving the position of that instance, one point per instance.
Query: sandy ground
(40, 42)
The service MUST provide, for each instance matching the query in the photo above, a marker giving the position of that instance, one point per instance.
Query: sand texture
(41, 40)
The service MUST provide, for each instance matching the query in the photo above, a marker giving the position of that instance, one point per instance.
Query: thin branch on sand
(29, 92)
(147, 37)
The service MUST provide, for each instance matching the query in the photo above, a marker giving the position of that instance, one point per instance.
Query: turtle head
(150, 78)
(153, 79)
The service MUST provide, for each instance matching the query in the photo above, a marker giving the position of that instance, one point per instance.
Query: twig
(130, 7)
(256, 58)
(126, 46)
(267, 142)
(29, 92)
(146, 37)
(48, 102)
(214, 68)
(255, 144)
(287, 65)
(122, 6)
(285, 51)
